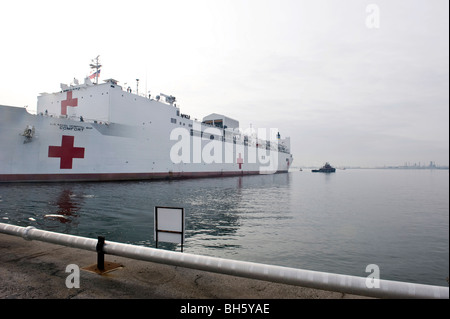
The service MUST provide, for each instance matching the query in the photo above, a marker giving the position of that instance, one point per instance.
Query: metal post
(100, 253)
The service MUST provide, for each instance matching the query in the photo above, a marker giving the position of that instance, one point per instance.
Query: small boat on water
(327, 168)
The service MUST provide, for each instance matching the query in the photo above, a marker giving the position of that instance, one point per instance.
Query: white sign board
(169, 225)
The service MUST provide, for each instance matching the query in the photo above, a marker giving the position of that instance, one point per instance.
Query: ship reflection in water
(218, 211)
(67, 205)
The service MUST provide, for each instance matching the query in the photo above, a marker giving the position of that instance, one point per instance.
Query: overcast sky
(352, 82)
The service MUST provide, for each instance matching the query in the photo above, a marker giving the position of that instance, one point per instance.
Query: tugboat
(327, 168)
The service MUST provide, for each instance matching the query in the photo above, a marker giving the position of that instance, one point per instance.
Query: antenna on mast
(95, 65)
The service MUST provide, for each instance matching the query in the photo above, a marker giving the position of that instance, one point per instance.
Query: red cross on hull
(67, 152)
(68, 102)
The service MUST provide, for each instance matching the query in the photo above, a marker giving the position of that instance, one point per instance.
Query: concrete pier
(34, 269)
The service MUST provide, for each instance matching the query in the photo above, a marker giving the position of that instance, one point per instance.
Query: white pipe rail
(305, 278)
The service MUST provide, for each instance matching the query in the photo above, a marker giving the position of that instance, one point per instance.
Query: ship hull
(63, 149)
(324, 170)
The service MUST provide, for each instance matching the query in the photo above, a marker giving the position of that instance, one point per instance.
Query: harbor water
(397, 219)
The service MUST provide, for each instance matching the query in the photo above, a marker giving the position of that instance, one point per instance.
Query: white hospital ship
(103, 132)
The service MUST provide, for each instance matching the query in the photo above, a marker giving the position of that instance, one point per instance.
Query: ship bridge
(220, 121)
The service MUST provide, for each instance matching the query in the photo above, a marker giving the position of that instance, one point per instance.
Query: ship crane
(169, 98)
(28, 133)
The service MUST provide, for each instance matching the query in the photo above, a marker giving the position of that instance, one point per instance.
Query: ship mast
(96, 65)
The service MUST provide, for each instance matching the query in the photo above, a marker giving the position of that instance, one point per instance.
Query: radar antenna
(95, 65)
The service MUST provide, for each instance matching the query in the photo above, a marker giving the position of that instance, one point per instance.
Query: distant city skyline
(404, 165)
(354, 83)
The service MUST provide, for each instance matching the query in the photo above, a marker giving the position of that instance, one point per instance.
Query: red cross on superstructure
(66, 152)
(68, 102)
(240, 161)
